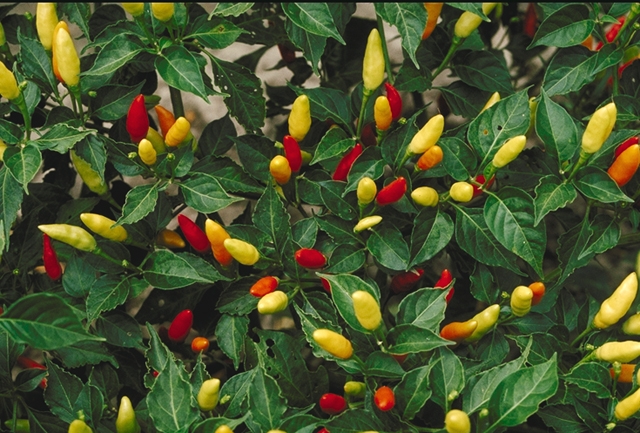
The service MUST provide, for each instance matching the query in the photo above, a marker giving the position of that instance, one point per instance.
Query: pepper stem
(385, 51)
(457, 41)
(366, 94)
(584, 157)
(583, 334)
(176, 102)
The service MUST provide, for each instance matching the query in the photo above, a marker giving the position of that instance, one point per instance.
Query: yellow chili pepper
(373, 63)
(616, 306)
(280, 169)
(46, 22)
(382, 113)
(242, 251)
(432, 157)
(428, 136)
(620, 351)
(300, 118)
(628, 406)
(425, 196)
(146, 152)
(178, 132)
(217, 235)
(509, 151)
(89, 176)
(367, 222)
(461, 192)
(101, 225)
(486, 319)
(491, 101)
(273, 302)
(366, 191)
(469, 21)
(599, 128)
(66, 57)
(208, 394)
(79, 426)
(8, 84)
(126, 421)
(163, 11)
(433, 13)
(170, 239)
(333, 343)
(521, 300)
(156, 140)
(366, 309)
(75, 236)
(135, 9)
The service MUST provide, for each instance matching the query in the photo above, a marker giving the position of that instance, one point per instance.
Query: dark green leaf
(423, 308)
(446, 376)
(413, 391)
(230, 332)
(255, 153)
(180, 69)
(566, 27)
(334, 143)
(120, 329)
(346, 259)
(431, 233)
(315, 18)
(167, 270)
(312, 45)
(140, 202)
(409, 19)
(556, 128)
(216, 33)
(266, 401)
(552, 194)
(60, 138)
(113, 101)
(204, 193)
(62, 392)
(596, 184)
(486, 70)
(458, 158)
(463, 99)
(389, 248)
(23, 163)
(326, 103)
(92, 149)
(117, 53)
(409, 338)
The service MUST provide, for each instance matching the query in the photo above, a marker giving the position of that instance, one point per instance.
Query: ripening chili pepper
(344, 166)
(509, 151)
(626, 373)
(538, 290)
(326, 285)
(332, 404)
(79, 426)
(68, 62)
(46, 21)
(367, 222)
(625, 145)
(457, 421)
(178, 132)
(54, 59)
(461, 192)
(384, 398)
(425, 196)
(217, 235)
(486, 319)
(395, 101)
(616, 306)
(287, 54)
(208, 394)
(8, 84)
(50, 259)
(21, 425)
(530, 24)
(292, 153)
(611, 34)
(194, 234)
(382, 113)
(427, 136)
(310, 258)
(199, 344)
(170, 239)
(163, 11)
(631, 326)
(102, 226)
(469, 21)
(223, 429)
(300, 118)
(89, 176)
(625, 165)
(620, 351)
(366, 191)
(180, 326)
(242, 251)
(280, 169)
(458, 331)
(333, 343)
(264, 286)
(135, 9)
(495, 97)
(146, 152)
(392, 192)
(126, 421)
(75, 236)
(273, 302)
(445, 279)
(156, 141)
(433, 13)
(368, 135)
(355, 389)
(628, 406)
(599, 128)
(366, 309)
(26, 363)
(405, 281)
(521, 300)
(432, 157)
(166, 119)
(481, 180)
(373, 62)
(137, 119)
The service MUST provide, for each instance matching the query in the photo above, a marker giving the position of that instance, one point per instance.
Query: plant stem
(583, 334)
(366, 94)
(584, 157)
(176, 102)
(445, 62)
(385, 51)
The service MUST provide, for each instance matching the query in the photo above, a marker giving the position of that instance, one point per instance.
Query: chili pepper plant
(290, 266)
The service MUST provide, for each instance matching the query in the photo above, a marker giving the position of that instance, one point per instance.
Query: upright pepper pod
(180, 326)
(310, 258)
(333, 343)
(355, 389)
(384, 398)
(538, 290)
(68, 62)
(367, 222)
(178, 132)
(89, 176)
(79, 426)
(625, 145)
(273, 302)
(631, 326)
(8, 84)
(102, 226)
(486, 319)
(166, 119)
(628, 406)
(135, 9)
(433, 13)
(427, 136)
(625, 165)
(163, 11)
(461, 192)
(126, 421)
(599, 128)
(495, 97)
(137, 119)
(208, 394)
(194, 234)
(457, 421)
(445, 280)
(459, 331)
(280, 169)
(146, 152)
(344, 166)
(616, 306)
(469, 21)
(382, 113)
(332, 404)
(620, 351)
(46, 21)
(217, 235)
(170, 239)
(425, 196)
(264, 286)
(54, 59)
(373, 62)
(395, 101)
(392, 192)
(366, 309)
(50, 258)
(432, 157)
(366, 191)
(300, 118)
(199, 344)
(75, 236)
(242, 251)
(509, 151)
(292, 153)
(405, 281)
(521, 300)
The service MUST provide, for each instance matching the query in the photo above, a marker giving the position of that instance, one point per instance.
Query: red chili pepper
(194, 234)
(384, 398)
(405, 281)
(287, 54)
(625, 165)
(392, 192)
(332, 404)
(323, 430)
(400, 358)
(292, 153)
(310, 258)
(180, 326)
(612, 33)
(326, 285)
(368, 135)
(344, 166)
(444, 281)
(625, 145)
(154, 373)
(50, 258)
(137, 119)
(538, 290)
(530, 21)
(25, 362)
(264, 286)
(395, 101)
(481, 179)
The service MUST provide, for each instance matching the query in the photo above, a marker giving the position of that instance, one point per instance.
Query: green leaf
(167, 270)
(337, 229)
(509, 216)
(181, 70)
(519, 394)
(212, 424)
(23, 163)
(413, 391)
(463, 99)
(235, 9)
(106, 293)
(217, 137)
(556, 128)
(271, 217)
(119, 329)
(230, 334)
(315, 18)
(78, 277)
(311, 45)
(236, 299)
(62, 392)
(571, 247)
(246, 102)
(334, 143)
(60, 138)
(562, 417)
(409, 338)
(236, 390)
(35, 62)
(216, 33)
(10, 132)
(113, 101)
(566, 27)
(552, 194)
(486, 70)
(255, 153)
(114, 55)
(606, 234)
(432, 231)
(78, 13)
(596, 184)
(326, 103)
(332, 193)
(354, 421)
(9, 352)
(10, 202)
(85, 352)
(304, 232)
(483, 287)
(458, 158)
(389, 248)
(345, 259)
(446, 376)
(92, 149)
(369, 164)
(266, 401)
(204, 193)
(383, 365)
(395, 144)
(140, 202)
(44, 321)
(409, 19)
(342, 287)
(423, 308)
